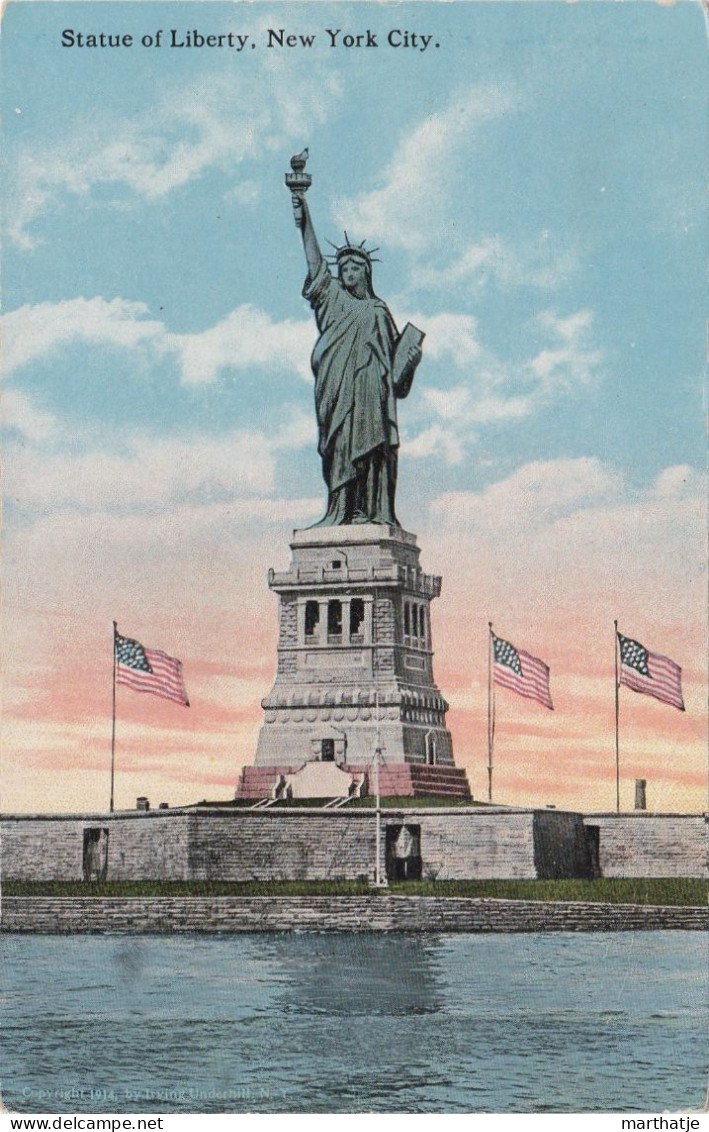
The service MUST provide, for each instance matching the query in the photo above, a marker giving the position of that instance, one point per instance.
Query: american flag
(149, 670)
(650, 673)
(521, 672)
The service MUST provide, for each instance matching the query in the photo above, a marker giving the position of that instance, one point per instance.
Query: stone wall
(475, 844)
(35, 848)
(349, 913)
(384, 634)
(140, 846)
(293, 845)
(651, 845)
(288, 627)
(384, 620)
(156, 848)
(287, 662)
(314, 844)
(302, 845)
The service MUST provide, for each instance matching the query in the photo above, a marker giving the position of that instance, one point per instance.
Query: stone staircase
(255, 782)
(439, 781)
(414, 780)
(396, 780)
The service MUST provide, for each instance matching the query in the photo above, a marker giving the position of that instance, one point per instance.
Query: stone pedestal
(354, 632)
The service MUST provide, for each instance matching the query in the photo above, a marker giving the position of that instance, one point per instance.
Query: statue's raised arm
(361, 365)
(303, 221)
(298, 181)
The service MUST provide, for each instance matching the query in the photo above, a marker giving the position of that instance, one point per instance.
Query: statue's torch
(298, 181)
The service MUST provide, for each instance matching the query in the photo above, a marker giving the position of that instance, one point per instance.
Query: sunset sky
(534, 180)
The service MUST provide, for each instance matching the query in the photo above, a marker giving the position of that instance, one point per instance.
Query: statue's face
(353, 273)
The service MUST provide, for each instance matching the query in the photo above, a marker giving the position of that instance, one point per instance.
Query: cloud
(220, 121)
(36, 332)
(20, 414)
(416, 205)
(495, 391)
(534, 263)
(188, 564)
(432, 441)
(571, 360)
(452, 337)
(186, 576)
(247, 337)
(678, 482)
(299, 431)
(568, 532)
(532, 497)
(414, 185)
(151, 470)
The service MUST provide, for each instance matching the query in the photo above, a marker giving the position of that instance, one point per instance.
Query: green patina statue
(362, 366)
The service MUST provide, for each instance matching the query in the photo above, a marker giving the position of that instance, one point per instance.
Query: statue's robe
(355, 403)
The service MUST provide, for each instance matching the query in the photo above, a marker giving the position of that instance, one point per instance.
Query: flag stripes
(149, 670)
(650, 673)
(521, 672)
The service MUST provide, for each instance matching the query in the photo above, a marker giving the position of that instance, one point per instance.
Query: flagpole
(617, 716)
(490, 712)
(113, 717)
(379, 881)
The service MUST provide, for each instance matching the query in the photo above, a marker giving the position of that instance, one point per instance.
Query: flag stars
(131, 654)
(633, 655)
(506, 654)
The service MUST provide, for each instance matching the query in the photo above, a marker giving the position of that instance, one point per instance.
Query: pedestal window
(356, 621)
(312, 618)
(334, 622)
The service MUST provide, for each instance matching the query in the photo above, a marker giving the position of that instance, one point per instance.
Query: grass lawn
(672, 891)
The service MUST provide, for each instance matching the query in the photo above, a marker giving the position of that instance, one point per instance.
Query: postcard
(355, 557)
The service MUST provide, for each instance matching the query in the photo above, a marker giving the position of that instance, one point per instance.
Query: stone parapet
(283, 581)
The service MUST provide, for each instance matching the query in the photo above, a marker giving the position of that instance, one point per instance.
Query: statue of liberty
(362, 366)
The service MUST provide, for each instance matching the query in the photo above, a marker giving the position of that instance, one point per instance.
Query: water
(355, 1023)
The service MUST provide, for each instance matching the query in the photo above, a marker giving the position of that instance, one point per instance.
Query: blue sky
(578, 185)
(535, 184)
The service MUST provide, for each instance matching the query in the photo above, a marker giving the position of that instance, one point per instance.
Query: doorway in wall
(403, 852)
(95, 854)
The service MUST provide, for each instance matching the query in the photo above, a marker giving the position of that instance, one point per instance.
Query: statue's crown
(348, 249)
